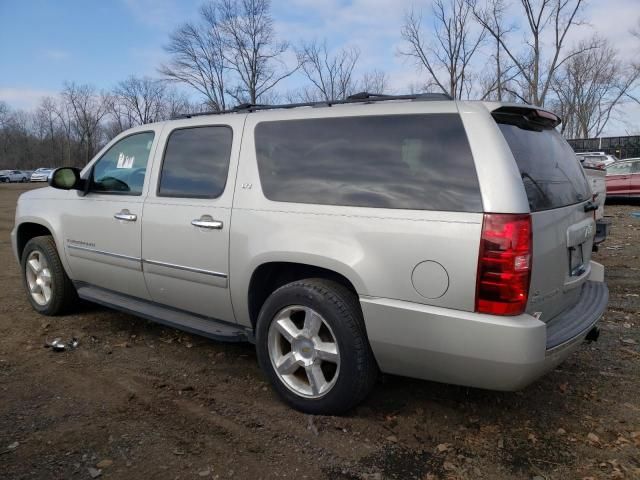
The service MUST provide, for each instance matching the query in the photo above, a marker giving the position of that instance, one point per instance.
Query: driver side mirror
(66, 178)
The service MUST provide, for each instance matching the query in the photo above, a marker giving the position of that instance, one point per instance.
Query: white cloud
(23, 98)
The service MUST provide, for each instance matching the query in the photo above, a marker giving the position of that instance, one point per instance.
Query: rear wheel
(23, 180)
(48, 287)
(312, 345)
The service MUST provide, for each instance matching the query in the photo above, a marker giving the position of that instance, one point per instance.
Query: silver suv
(413, 235)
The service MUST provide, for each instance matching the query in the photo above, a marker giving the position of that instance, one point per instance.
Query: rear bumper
(478, 350)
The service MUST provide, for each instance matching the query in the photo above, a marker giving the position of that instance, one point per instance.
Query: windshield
(551, 173)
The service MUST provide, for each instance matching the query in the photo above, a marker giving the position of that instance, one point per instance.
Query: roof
(362, 97)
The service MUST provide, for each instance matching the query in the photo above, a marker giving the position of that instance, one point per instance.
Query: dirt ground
(137, 400)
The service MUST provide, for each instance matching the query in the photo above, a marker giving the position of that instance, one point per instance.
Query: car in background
(596, 176)
(9, 176)
(623, 179)
(41, 174)
(596, 159)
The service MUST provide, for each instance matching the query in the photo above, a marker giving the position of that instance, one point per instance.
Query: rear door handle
(206, 221)
(126, 215)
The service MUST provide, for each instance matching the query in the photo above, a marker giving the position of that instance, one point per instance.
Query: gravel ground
(137, 400)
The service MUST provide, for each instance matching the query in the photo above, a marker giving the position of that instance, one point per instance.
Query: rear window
(550, 171)
(420, 162)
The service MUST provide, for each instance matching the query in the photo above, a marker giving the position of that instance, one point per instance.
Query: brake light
(504, 264)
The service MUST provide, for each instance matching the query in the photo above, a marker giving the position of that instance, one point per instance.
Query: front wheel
(312, 344)
(49, 289)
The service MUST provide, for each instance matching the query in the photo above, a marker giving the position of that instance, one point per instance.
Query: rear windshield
(550, 171)
(420, 162)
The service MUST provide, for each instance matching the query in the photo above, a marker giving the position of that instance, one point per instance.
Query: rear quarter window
(551, 173)
(419, 162)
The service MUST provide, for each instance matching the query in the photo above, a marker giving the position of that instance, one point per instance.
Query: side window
(418, 162)
(196, 162)
(619, 169)
(121, 170)
(636, 167)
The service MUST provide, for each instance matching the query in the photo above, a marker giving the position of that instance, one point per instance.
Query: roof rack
(362, 97)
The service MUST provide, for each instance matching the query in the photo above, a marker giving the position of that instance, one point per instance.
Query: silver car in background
(41, 174)
(413, 235)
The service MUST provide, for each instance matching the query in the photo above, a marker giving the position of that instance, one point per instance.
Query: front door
(185, 229)
(102, 229)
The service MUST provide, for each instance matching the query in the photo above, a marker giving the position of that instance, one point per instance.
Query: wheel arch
(271, 275)
(28, 230)
(31, 227)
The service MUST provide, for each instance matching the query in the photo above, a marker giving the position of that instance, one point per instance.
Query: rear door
(618, 179)
(187, 217)
(563, 231)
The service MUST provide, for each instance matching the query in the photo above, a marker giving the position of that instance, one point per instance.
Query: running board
(199, 325)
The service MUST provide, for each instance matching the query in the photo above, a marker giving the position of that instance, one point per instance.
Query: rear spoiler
(526, 117)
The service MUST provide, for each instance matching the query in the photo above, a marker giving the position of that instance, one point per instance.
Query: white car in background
(9, 176)
(599, 160)
(41, 174)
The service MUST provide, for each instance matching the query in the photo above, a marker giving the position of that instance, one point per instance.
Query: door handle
(126, 215)
(206, 221)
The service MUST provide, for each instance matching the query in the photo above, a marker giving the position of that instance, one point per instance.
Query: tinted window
(196, 162)
(619, 169)
(122, 169)
(418, 162)
(636, 167)
(552, 178)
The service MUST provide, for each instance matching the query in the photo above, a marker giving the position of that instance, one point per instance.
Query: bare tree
(142, 98)
(198, 57)
(447, 57)
(87, 108)
(48, 126)
(589, 87)
(496, 84)
(375, 81)
(251, 49)
(232, 52)
(635, 32)
(177, 103)
(4, 113)
(331, 76)
(536, 64)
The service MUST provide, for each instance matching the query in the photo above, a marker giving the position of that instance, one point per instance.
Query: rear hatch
(562, 217)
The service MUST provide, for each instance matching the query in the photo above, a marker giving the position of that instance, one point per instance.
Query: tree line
(468, 49)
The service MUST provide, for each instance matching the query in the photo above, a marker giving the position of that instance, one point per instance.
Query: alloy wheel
(303, 351)
(39, 278)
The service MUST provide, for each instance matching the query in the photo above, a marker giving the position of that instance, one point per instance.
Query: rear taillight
(504, 264)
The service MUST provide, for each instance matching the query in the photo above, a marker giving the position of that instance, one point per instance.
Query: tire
(338, 353)
(23, 180)
(42, 252)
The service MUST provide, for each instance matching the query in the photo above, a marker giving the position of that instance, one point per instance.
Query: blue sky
(43, 43)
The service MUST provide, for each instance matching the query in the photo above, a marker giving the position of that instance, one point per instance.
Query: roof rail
(362, 97)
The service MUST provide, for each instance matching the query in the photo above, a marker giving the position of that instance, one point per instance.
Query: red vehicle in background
(623, 179)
